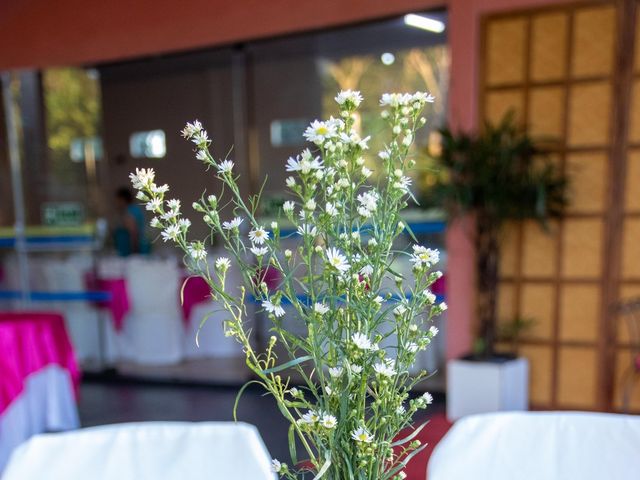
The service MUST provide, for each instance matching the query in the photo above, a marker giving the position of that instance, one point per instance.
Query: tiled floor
(114, 402)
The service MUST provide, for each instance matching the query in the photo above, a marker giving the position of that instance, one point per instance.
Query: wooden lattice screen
(569, 74)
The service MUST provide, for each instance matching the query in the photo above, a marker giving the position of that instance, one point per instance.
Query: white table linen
(140, 451)
(539, 445)
(47, 403)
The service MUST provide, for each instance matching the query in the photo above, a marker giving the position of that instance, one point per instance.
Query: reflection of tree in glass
(72, 102)
(416, 69)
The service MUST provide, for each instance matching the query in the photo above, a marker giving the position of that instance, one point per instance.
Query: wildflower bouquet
(361, 338)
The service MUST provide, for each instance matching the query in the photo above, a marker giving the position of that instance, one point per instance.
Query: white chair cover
(212, 341)
(159, 451)
(47, 403)
(539, 445)
(153, 330)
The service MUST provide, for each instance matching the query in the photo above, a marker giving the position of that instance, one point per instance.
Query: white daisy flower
(154, 204)
(402, 184)
(379, 300)
(337, 260)
(423, 97)
(328, 421)
(225, 167)
(424, 257)
(433, 331)
(290, 182)
(259, 251)
(173, 204)
(306, 229)
(276, 466)
(304, 163)
(427, 398)
(400, 310)
(232, 224)
(161, 189)
(197, 251)
(170, 233)
(320, 308)
(169, 215)
(142, 178)
(155, 222)
(310, 205)
(318, 132)
(385, 369)
(310, 417)
(202, 155)
(191, 129)
(335, 372)
(201, 138)
(362, 435)
(331, 209)
(443, 306)
(429, 296)
(356, 369)
(277, 310)
(258, 235)
(352, 97)
(184, 224)
(412, 347)
(401, 410)
(364, 213)
(223, 264)
(288, 206)
(369, 200)
(361, 341)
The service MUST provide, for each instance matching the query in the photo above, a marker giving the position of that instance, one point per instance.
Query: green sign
(62, 214)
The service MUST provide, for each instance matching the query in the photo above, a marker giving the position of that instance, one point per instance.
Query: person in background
(129, 235)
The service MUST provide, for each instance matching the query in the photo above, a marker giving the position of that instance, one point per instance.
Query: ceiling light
(425, 23)
(387, 58)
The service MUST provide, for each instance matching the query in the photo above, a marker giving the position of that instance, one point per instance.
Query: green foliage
(500, 174)
(497, 176)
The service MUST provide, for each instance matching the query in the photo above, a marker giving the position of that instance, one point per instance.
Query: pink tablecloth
(30, 341)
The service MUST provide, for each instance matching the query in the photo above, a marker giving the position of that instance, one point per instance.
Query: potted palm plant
(498, 176)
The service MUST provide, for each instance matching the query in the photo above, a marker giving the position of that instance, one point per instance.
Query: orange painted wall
(67, 32)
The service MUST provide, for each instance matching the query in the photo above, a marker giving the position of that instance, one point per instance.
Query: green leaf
(324, 468)
(284, 366)
(292, 444)
(202, 322)
(410, 437)
(405, 461)
(244, 387)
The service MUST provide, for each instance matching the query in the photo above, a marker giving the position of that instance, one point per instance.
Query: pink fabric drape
(118, 305)
(30, 341)
(195, 291)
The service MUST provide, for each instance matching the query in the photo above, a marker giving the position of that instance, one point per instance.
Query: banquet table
(539, 445)
(150, 450)
(38, 378)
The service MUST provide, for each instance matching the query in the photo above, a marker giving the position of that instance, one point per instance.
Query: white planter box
(481, 387)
